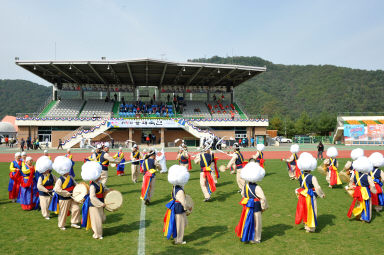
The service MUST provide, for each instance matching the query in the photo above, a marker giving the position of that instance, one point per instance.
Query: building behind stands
(95, 101)
(359, 129)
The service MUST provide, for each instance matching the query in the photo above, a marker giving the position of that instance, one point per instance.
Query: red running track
(7, 157)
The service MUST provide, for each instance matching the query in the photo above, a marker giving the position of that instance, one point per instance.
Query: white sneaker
(47, 218)
(63, 228)
(75, 226)
(100, 237)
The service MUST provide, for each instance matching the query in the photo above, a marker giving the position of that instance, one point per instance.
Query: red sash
(356, 197)
(333, 176)
(208, 177)
(374, 197)
(301, 209)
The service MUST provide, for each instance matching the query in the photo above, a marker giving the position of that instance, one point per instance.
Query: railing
(29, 114)
(69, 136)
(360, 114)
(42, 106)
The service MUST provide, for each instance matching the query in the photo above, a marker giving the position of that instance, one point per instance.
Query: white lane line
(141, 245)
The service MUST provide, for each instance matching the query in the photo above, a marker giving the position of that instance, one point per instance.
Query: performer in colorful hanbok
(362, 184)
(46, 154)
(14, 176)
(293, 171)
(207, 182)
(151, 166)
(28, 192)
(259, 156)
(355, 154)
(254, 203)
(104, 159)
(237, 163)
(183, 157)
(306, 210)
(175, 219)
(93, 207)
(92, 157)
(377, 175)
(120, 156)
(23, 157)
(69, 155)
(332, 174)
(62, 201)
(45, 184)
(135, 166)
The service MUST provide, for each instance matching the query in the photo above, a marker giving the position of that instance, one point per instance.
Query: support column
(208, 95)
(101, 95)
(162, 144)
(108, 93)
(232, 97)
(82, 94)
(54, 92)
(130, 134)
(156, 94)
(119, 96)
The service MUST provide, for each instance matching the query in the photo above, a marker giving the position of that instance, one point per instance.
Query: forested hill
(21, 96)
(292, 89)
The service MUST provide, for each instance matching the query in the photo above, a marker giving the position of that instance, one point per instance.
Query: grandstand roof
(141, 72)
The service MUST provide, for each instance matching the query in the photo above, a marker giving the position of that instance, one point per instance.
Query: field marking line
(141, 243)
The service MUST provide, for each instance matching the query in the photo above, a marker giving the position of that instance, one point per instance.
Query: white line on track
(141, 245)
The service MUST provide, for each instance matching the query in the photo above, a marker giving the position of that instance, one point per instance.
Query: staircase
(88, 133)
(195, 131)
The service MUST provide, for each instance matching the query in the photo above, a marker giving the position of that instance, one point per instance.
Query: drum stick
(128, 162)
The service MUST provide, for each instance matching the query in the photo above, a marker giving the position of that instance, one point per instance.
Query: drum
(344, 177)
(80, 191)
(189, 204)
(113, 200)
(349, 191)
(347, 165)
(322, 170)
(222, 168)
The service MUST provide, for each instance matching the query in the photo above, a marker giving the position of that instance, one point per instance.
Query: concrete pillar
(156, 94)
(119, 96)
(54, 92)
(101, 95)
(82, 94)
(162, 144)
(130, 135)
(232, 97)
(208, 96)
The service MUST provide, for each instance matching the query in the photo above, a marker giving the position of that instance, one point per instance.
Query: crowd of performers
(36, 187)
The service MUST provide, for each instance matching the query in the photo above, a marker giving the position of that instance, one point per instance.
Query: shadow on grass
(221, 184)
(5, 202)
(267, 174)
(274, 230)
(222, 196)
(116, 217)
(132, 191)
(180, 249)
(124, 228)
(324, 220)
(208, 231)
(162, 200)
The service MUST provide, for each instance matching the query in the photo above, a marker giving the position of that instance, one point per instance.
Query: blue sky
(343, 33)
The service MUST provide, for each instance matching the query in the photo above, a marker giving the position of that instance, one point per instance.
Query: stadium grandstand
(130, 100)
(359, 129)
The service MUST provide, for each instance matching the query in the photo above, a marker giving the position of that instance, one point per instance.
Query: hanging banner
(375, 130)
(142, 123)
(353, 130)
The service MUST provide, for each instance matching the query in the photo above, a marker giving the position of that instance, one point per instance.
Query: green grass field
(211, 225)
